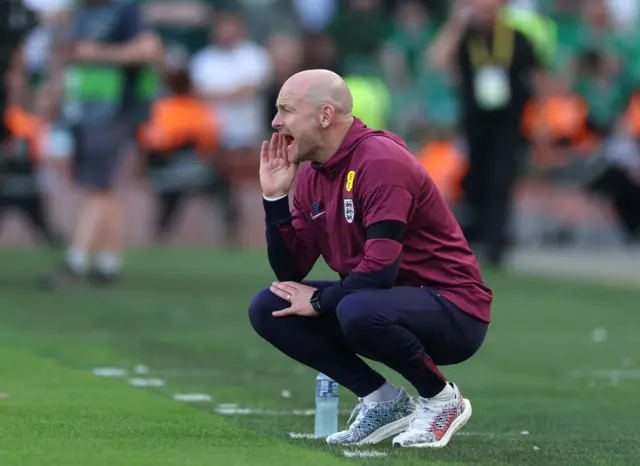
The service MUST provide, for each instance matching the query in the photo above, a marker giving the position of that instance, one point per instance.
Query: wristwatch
(315, 301)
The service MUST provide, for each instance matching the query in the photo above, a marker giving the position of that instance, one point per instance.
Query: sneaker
(62, 275)
(99, 278)
(436, 421)
(377, 422)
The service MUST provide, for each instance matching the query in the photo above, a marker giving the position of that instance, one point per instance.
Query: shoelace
(419, 418)
(361, 409)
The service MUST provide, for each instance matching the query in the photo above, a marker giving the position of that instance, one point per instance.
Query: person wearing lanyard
(498, 69)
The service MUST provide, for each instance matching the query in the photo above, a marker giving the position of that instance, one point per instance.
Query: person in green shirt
(604, 87)
(404, 49)
(358, 29)
(109, 48)
(183, 25)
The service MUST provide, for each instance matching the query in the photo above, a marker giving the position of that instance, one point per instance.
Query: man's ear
(326, 115)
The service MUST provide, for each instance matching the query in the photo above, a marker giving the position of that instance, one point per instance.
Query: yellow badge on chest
(350, 177)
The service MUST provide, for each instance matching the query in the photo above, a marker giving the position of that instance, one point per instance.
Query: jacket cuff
(277, 211)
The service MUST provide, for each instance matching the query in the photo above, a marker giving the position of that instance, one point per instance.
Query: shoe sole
(384, 432)
(456, 425)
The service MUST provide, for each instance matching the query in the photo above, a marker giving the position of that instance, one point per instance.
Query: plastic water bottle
(326, 421)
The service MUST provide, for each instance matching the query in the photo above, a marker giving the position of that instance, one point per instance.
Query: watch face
(315, 300)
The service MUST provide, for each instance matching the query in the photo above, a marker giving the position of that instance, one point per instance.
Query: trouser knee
(260, 312)
(359, 319)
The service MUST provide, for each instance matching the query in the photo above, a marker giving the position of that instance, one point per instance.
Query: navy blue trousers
(412, 330)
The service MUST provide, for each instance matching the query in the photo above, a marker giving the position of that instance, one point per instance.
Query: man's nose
(276, 123)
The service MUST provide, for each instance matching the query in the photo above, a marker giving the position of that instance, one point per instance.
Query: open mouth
(290, 141)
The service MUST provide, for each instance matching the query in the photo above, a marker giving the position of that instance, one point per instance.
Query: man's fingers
(272, 146)
(264, 152)
(284, 288)
(279, 293)
(285, 312)
(291, 285)
(279, 147)
(282, 294)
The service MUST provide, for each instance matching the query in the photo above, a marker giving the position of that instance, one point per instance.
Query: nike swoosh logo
(439, 433)
(313, 217)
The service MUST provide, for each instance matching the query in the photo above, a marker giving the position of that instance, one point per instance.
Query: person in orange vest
(558, 127)
(20, 187)
(619, 181)
(179, 145)
(446, 163)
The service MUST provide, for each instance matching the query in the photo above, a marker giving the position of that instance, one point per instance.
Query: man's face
(299, 122)
(485, 11)
(228, 30)
(364, 5)
(595, 12)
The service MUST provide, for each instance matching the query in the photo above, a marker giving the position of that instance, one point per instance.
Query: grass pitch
(555, 383)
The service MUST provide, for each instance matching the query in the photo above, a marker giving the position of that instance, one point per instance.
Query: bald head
(321, 87)
(314, 114)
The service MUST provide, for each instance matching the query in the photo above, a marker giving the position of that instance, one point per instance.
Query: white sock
(77, 260)
(108, 263)
(387, 392)
(445, 395)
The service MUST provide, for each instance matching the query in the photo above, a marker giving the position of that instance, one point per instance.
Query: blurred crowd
(582, 124)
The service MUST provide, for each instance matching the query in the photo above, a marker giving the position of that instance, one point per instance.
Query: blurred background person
(445, 159)
(17, 19)
(286, 52)
(315, 15)
(104, 63)
(184, 26)
(497, 66)
(23, 153)
(619, 179)
(568, 132)
(231, 75)
(321, 52)
(362, 42)
(180, 144)
(557, 126)
(412, 30)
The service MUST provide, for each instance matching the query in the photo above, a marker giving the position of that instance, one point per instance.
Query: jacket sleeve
(387, 204)
(291, 247)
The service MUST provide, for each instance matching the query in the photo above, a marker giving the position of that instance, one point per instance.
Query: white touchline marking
(599, 334)
(227, 405)
(192, 397)
(300, 435)
(221, 409)
(186, 372)
(139, 382)
(265, 412)
(109, 372)
(491, 434)
(141, 369)
(363, 453)
(614, 374)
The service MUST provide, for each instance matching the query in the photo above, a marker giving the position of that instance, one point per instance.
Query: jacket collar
(339, 160)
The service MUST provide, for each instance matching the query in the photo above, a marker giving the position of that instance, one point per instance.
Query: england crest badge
(349, 211)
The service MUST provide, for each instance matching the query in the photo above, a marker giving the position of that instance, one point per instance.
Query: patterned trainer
(377, 422)
(436, 420)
